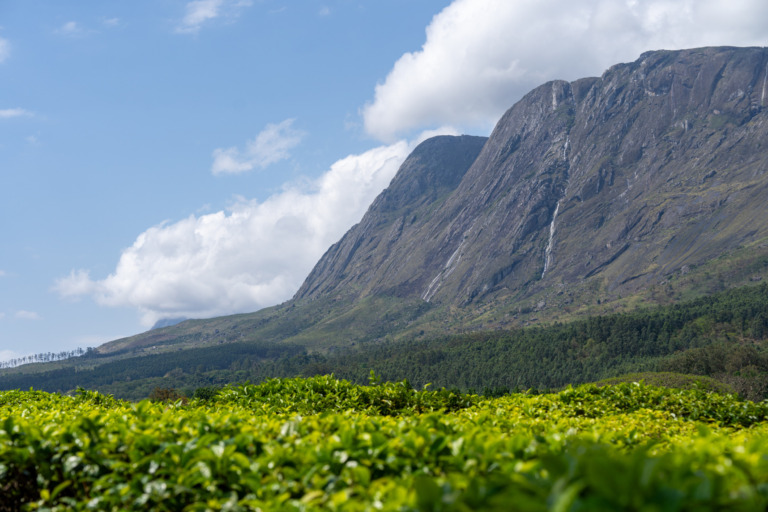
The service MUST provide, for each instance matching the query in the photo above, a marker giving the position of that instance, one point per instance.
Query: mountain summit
(609, 183)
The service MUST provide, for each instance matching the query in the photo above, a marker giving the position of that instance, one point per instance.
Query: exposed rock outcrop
(621, 180)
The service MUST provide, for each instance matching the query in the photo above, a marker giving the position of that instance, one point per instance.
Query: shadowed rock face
(621, 180)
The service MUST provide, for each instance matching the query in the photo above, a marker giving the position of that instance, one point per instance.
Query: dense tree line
(170, 365)
(730, 328)
(722, 335)
(45, 357)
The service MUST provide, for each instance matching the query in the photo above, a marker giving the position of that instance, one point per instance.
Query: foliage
(550, 357)
(206, 393)
(46, 357)
(624, 447)
(739, 365)
(178, 369)
(723, 336)
(166, 395)
(672, 380)
(327, 394)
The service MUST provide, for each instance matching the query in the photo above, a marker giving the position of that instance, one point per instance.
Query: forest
(722, 336)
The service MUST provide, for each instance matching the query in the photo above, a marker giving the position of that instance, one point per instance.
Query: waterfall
(548, 251)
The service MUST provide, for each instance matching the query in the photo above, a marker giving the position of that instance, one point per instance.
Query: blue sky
(165, 158)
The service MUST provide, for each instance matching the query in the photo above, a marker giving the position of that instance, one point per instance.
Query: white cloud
(198, 12)
(111, 22)
(271, 145)
(253, 255)
(27, 315)
(5, 49)
(70, 28)
(14, 112)
(480, 56)
(76, 284)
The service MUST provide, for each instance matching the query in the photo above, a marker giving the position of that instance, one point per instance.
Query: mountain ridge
(615, 161)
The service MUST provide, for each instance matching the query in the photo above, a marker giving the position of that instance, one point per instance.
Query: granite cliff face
(376, 248)
(618, 181)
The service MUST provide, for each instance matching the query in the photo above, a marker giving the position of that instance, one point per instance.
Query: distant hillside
(723, 336)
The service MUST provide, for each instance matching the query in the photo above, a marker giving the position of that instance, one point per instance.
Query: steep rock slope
(618, 181)
(372, 250)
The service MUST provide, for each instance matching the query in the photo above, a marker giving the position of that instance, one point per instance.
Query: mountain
(645, 186)
(609, 184)
(374, 250)
(167, 322)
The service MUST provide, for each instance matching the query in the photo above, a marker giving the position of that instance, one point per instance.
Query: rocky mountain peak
(611, 182)
(428, 176)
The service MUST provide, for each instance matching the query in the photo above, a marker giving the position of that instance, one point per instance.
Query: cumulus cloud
(14, 112)
(27, 315)
(76, 284)
(254, 254)
(70, 29)
(271, 145)
(198, 12)
(480, 56)
(5, 49)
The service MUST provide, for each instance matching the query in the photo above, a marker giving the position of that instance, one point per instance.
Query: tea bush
(326, 444)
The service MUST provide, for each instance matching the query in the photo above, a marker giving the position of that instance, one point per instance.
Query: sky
(175, 158)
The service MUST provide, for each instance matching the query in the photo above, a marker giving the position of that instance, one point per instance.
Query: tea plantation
(327, 444)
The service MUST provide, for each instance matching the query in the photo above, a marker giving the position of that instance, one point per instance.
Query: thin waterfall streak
(548, 251)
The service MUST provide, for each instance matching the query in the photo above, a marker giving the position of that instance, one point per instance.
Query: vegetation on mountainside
(671, 380)
(325, 444)
(722, 336)
(733, 324)
(44, 357)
